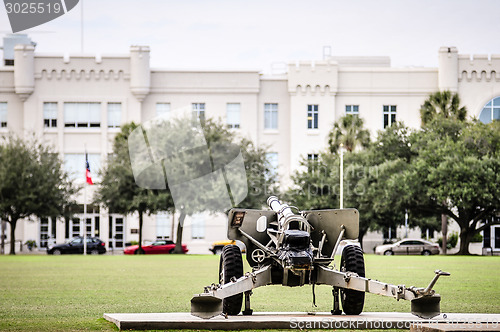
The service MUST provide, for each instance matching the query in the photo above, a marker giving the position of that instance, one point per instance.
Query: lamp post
(341, 175)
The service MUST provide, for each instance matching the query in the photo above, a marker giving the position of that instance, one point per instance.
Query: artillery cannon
(294, 249)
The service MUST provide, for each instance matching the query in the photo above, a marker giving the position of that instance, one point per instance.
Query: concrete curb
(301, 320)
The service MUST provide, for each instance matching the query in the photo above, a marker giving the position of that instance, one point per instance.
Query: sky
(259, 35)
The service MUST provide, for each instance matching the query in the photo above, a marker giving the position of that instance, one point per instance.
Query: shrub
(30, 244)
(451, 241)
(477, 238)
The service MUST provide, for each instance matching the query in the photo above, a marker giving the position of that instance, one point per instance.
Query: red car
(157, 247)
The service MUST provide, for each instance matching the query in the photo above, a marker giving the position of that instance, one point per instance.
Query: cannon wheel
(352, 261)
(231, 265)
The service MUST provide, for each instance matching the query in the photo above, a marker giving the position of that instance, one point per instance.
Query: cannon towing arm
(424, 301)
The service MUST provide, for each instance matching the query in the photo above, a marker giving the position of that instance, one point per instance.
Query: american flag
(87, 170)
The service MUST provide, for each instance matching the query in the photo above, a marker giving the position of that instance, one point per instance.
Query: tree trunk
(2, 240)
(465, 237)
(360, 238)
(140, 251)
(180, 228)
(13, 223)
(444, 230)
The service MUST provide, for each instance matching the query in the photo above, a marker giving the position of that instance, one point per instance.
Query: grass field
(67, 293)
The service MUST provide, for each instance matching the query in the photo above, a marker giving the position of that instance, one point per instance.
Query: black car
(75, 246)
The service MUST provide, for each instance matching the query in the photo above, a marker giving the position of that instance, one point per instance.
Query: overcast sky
(254, 34)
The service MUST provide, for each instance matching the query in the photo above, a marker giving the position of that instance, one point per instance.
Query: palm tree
(442, 103)
(349, 131)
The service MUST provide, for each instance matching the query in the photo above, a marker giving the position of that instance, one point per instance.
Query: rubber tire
(94, 252)
(389, 253)
(231, 265)
(426, 253)
(56, 252)
(352, 261)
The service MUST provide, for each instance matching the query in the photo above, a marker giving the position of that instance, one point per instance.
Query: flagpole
(85, 218)
(85, 207)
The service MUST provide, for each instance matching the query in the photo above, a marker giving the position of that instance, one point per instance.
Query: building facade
(77, 104)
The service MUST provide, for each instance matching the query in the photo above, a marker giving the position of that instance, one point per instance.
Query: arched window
(491, 111)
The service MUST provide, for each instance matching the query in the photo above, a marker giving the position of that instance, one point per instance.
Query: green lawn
(63, 293)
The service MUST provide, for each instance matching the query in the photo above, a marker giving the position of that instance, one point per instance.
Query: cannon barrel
(282, 209)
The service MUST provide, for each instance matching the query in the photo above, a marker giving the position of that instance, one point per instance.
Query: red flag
(87, 170)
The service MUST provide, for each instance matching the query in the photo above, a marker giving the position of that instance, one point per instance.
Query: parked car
(157, 247)
(408, 247)
(75, 246)
(217, 246)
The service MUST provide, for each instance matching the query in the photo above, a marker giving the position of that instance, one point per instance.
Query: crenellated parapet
(312, 90)
(313, 78)
(82, 68)
(479, 68)
(88, 75)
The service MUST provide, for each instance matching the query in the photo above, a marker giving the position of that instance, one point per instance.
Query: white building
(79, 102)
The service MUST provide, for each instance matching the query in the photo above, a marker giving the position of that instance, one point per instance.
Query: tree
(261, 178)
(442, 104)
(317, 186)
(349, 131)
(223, 145)
(118, 190)
(32, 182)
(462, 170)
(187, 162)
(366, 185)
(316, 183)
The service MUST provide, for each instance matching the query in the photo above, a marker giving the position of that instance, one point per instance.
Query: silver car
(408, 247)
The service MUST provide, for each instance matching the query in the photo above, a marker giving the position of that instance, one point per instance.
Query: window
(74, 165)
(491, 111)
(199, 111)
(163, 226)
(389, 233)
(47, 231)
(389, 115)
(163, 110)
(312, 116)
(197, 226)
(77, 241)
(3, 115)
(312, 162)
(50, 115)
(352, 109)
(312, 156)
(233, 115)
(82, 115)
(114, 115)
(270, 116)
(272, 159)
